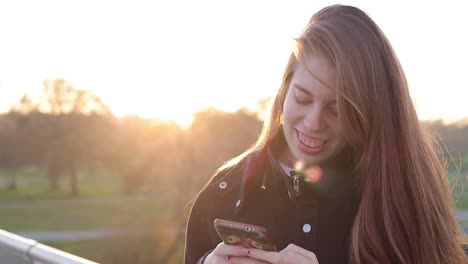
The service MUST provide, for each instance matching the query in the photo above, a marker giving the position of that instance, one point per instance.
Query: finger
(223, 249)
(246, 260)
(301, 251)
(267, 256)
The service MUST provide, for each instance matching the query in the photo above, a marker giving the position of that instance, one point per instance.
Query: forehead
(315, 75)
(314, 71)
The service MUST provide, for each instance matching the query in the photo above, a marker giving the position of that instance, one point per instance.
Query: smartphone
(247, 235)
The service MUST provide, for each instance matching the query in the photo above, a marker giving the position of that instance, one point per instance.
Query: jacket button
(238, 203)
(222, 185)
(306, 228)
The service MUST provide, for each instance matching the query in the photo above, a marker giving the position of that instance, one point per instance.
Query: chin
(312, 159)
(316, 161)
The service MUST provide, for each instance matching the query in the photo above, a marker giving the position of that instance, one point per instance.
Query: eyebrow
(304, 90)
(299, 87)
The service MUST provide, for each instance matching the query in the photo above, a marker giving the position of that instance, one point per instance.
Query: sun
(182, 116)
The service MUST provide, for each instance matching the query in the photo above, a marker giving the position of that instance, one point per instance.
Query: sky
(167, 59)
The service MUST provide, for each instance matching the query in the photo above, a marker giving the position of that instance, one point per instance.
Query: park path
(73, 235)
(56, 236)
(102, 200)
(462, 215)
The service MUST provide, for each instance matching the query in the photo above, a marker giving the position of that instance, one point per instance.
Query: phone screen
(241, 234)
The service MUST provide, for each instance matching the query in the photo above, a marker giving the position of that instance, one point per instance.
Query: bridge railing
(37, 253)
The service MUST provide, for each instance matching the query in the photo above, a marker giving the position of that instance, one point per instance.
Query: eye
(302, 101)
(302, 98)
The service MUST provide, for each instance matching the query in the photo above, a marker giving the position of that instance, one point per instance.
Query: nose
(315, 120)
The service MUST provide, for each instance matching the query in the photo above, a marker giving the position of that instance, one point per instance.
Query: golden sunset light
(168, 60)
(127, 127)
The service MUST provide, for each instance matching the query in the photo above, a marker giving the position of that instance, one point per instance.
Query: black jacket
(265, 196)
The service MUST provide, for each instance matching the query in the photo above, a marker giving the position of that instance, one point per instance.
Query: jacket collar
(262, 172)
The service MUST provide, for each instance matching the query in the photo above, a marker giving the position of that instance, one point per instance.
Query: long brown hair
(406, 212)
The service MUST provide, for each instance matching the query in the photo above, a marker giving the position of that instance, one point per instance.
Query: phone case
(247, 235)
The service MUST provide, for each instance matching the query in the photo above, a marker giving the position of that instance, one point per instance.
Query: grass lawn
(32, 184)
(32, 207)
(100, 205)
(82, 214)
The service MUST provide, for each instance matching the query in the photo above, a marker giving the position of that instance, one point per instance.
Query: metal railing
(37, 253)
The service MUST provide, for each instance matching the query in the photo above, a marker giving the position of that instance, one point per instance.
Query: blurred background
(113, 114)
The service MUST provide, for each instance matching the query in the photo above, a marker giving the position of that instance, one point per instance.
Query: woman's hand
(230, 254)
(292, 254)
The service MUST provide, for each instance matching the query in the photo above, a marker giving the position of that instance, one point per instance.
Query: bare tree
(67, 131)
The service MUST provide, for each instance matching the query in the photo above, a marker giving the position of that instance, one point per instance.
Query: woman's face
(310, 119)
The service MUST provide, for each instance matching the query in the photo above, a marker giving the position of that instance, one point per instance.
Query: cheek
(335, 126)
(339, 135)
(291, 112)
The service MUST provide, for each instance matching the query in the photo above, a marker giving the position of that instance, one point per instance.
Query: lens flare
(299, 165)
(313, 174)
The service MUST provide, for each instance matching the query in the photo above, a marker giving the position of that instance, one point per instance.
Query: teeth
(313, 143)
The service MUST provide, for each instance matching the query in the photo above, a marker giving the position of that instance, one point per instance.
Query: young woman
(378, 194)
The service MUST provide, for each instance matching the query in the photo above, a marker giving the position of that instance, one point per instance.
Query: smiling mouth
(311, 142)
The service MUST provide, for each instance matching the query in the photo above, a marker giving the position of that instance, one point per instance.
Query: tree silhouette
(67, 129)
